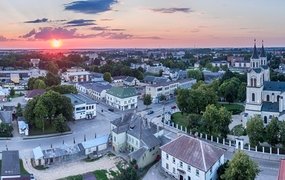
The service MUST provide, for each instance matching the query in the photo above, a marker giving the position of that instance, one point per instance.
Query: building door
(181, 177)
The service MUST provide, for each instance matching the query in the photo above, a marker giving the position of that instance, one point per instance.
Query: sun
(56, 43)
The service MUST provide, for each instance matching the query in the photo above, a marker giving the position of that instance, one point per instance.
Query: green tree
(222, 169)
(241, 167)
(12, 92)
(162, 97)
(242, 92)
(282, 132)
(147, 100)
(41, 114)
(64, 89)
(19, 110)
(194, 122)
(107, 77)
(52, 79)
(128, 173)
(255, 130)
(216, 121)
(196, 74)
(52, 67)
(229, 89)
(39, 84)
(272, 132)
(6, 130)
(60, 123)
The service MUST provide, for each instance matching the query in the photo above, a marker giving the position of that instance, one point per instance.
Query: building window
(114, 138)
(265, 119)
(253, 97)
(189, 178)
(173, 170)
(181, 164)
(211, 171)
(278, 97)
(189, 168)
(173, 160)
(167, 156)
(166, 165)
(197, 172)
(267, 98)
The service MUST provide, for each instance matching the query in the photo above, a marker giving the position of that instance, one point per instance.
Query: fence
(238, 143)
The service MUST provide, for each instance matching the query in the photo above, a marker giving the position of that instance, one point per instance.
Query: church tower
(264, 62)
(255, 81)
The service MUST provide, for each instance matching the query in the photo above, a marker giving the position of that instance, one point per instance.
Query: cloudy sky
(141, 23)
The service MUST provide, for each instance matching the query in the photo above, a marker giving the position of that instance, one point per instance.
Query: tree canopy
(255, 130)
(147, 99)
(107, 77)
(43, 110)
(241, 167)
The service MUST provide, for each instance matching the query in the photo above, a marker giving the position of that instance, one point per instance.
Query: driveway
(73, 168)
(156, 172)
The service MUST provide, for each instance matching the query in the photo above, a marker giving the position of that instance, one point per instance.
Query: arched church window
(251, 82)
(267, 98)
(253, 97)
(254, 82)
(265, 119)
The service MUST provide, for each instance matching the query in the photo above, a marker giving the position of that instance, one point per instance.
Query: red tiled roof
(281, 175)
(35, 92)
(194, 152)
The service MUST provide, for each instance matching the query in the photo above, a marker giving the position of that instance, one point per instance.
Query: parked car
(173, 107)
(150, 112)
(110, 109)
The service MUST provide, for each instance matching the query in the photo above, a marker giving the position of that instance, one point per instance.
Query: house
(83, 106)
(281, 174)
(96, 145)
(96, 77)
(118, 80)
(122, 98)
(131, 81)
(167, 89)
(55, 155)
(6, 117)
(96, 90)
(10, 167)
(155, 80)
(33, 93)
(132, 134)
(220, 63)
(17, 75)
(189, 158)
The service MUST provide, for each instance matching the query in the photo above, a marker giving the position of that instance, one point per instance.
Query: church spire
(263, 54)
(254, 54)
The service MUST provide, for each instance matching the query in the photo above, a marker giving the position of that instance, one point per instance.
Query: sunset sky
(141, 23)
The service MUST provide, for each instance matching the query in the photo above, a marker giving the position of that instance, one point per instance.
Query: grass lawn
(101, 174)
(180, 119)
(234, 108)
(22, 169)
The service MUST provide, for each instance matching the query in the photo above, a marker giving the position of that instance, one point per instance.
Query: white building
(76, 74)
(96, 90)
(188, 158)
(263, 97)
(122, 98)
(83, 106)
(133, 135)
(16, 76)
(131, 81)
(220, 63)
(168, 88)
(95, 145)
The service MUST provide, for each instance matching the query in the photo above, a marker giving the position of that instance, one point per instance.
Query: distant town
(186, 114)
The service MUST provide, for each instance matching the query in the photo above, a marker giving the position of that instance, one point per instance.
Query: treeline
(118, 69)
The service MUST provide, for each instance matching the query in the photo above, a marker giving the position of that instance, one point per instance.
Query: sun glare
(56, 43)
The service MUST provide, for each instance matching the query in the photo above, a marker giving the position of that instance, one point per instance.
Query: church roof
(257, 70)
(274, 86)
(262, 54)
(265, 66)
(254, 54)
(270, 107)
